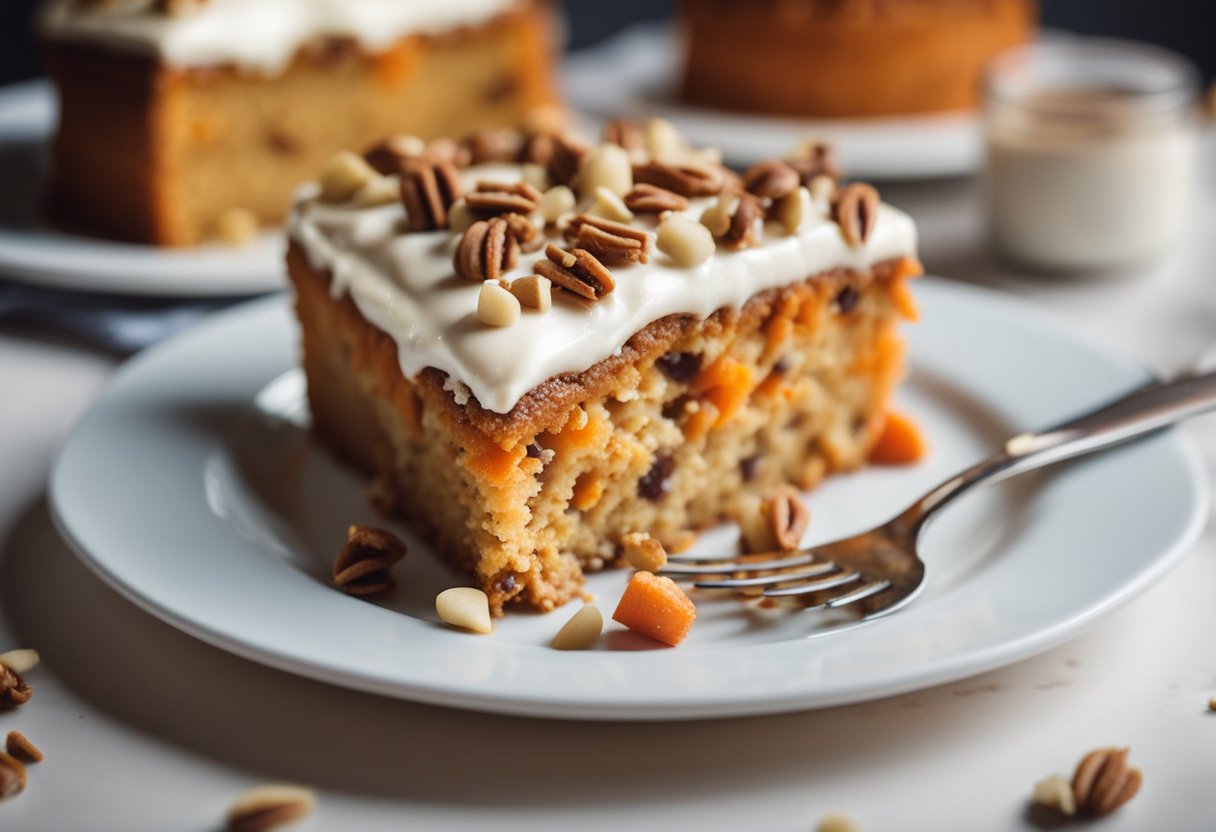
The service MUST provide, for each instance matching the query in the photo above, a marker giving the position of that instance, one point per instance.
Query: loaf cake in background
(845, 58)
(546, 344)
(181, 119)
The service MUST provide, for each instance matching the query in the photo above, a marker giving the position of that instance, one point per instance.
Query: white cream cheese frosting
(258, 35)
(404, 283)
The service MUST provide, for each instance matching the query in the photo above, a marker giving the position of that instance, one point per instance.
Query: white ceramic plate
(634, 74)
(35, 252)
(194, 489)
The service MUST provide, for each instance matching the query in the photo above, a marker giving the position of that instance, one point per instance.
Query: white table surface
(145, 728)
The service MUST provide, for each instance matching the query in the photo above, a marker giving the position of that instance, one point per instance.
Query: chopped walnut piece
(855, 210)
(651, 199)
(427, 192)
(487, 250)
(12, 776)
(577, 271)
(19, 745)
(686, 180)
(389, 155)
(1104, 781)
(613, 243)
(491, 199)
(364, 565)
(269, 807)
(771, 179)
(734, 220)
(788, 518)
(14, 691)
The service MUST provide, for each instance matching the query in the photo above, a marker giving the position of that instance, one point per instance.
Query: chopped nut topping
(364, 566)
(14, 692)
(822, 190)
(788, 518)
(486, 251)
(791, 209)
(22, 660)
(855, 209)
(556, 202)
(686, 180)
(1103, 781)
(815, 158)
(465, 607)
(582, 631)
(380, 191)
(613, 243)
(493, 198)
(12, 776)
(389, 155)
(577, 271)
(1055, 792)
(607, 166)
(497, 306)
(447, 150)
(685, 241)
(534, 292)
(343, 175)
(651, 199)
(236, 226)
(625, 134)
(500, 144)
(460, 217)
(771, 179)
(561, 154)
(525, 232)
(734, 220)
(644, 552)
(269, 807)
(18, 745)
(610, 206)
(427, 192)
(664, 142)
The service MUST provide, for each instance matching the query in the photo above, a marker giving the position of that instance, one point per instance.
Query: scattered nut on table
(18, 745)
(582, 631)
(1104, 781)
(270, 807)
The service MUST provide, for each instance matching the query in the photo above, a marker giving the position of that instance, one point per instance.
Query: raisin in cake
(184, 120)
(546, 345)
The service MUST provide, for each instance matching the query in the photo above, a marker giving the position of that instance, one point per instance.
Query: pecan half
(14, 692)
(559, 153)
(686, 180)
(364, 565)
(486, 251)
(626, 134)
(651, 199)
(524, 231)
(19, 745)
(427, 192)
(788, 518)
(855, 210)
(493, 145)
(734, 219)
(389, 155)
(815, 159)
(576, 271)
(269, 807)
(493, 198)
(771, 179)
(1103, 781)
(12, 775)
(612, 243)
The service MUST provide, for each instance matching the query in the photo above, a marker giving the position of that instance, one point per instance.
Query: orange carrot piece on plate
(655, 606)
(900, 443)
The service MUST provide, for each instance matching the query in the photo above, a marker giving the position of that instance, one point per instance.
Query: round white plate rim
(929, 146)
(607, 705)
(62, 260)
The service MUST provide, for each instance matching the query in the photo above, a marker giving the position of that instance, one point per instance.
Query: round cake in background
(845, 58)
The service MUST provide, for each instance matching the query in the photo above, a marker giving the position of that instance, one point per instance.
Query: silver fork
(880, 571)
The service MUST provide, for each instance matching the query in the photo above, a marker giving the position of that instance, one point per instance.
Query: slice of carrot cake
(538, 345)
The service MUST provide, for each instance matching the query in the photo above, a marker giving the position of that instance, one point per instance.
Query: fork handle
(1146, 409)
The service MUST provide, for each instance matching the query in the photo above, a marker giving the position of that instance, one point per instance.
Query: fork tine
(812, 586)
(769, 580)
(693, 566)
(861, 593)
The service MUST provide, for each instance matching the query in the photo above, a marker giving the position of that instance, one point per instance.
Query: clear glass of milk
(1091, 153)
